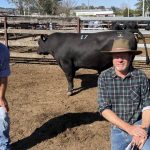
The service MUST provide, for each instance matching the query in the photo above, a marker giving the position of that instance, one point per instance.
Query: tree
(19, 4)
(66, 6)
(127, 12)
(43, 6)
(51, 6)
(117, 11)
(24, 6)
(139, 6)
(101, 7)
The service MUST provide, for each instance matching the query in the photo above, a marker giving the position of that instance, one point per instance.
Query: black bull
(82, 50)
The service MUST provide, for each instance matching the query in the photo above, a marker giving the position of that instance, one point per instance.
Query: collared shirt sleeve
(103, 95)
(4, 61)
(145, 92)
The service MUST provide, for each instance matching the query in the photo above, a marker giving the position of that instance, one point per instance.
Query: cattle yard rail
(31, 58)
(19, 32)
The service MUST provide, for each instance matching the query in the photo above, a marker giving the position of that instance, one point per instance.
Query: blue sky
(5, 4)
(106, 3)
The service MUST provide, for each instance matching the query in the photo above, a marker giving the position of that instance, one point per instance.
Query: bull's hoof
(69, 93)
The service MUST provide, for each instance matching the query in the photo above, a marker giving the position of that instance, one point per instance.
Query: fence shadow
(55, 126)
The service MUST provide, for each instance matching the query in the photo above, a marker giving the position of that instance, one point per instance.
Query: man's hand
(136, 130)
(3, 103)
(138, 141)
(3, 86)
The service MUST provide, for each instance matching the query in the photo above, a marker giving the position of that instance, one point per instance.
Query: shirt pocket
(135, 93)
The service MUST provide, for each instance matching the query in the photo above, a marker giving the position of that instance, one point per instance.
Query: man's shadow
(55, 126)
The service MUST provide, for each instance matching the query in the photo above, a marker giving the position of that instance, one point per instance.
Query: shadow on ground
(56, 126)
(87, 81)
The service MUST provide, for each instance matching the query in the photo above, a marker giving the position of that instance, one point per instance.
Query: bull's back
(84, 50)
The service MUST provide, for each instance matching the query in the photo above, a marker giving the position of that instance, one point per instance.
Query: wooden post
(5, 31)
(78, 25)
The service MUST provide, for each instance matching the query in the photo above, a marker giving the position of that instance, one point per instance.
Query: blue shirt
(126, 97)
(4, 61)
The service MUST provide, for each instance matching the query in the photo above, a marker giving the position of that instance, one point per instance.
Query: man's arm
(3, 87)
(133, 130)
(146, 118)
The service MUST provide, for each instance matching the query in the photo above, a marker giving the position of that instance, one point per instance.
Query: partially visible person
(4, 118)
(124, 99)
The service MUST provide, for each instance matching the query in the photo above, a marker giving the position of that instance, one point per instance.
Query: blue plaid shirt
(4, 61)
(126, 97)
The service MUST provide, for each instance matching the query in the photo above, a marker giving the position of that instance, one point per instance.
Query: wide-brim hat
(121, 45)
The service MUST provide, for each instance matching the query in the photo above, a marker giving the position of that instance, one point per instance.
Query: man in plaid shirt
(124, 99)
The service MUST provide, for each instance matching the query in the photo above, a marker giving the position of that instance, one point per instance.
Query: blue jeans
(121, 139)
(4, 130)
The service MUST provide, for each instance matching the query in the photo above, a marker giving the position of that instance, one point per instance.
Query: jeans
(121, 139)
(4, 130)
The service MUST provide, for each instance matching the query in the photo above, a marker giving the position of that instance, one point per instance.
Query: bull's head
(42, 50)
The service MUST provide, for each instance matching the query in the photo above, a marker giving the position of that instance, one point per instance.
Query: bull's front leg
(70, 85)
(69, 70)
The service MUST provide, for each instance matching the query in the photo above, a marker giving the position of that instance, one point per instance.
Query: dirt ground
(43, 117)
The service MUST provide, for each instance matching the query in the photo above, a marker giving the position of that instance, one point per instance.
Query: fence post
(5, 31)
(78, 25)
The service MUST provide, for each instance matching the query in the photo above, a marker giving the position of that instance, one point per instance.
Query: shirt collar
(130, 73)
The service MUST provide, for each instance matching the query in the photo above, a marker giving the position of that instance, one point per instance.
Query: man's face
(121, 61)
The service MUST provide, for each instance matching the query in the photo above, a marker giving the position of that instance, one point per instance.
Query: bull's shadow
(87, 81)
(54, 127)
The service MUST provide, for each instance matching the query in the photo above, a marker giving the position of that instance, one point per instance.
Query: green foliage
(125, 12)
(117, 11)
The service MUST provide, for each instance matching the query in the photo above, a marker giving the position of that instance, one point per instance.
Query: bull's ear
(44, 37)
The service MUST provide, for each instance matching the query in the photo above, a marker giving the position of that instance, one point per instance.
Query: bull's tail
(146, 52)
